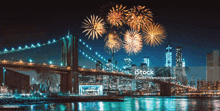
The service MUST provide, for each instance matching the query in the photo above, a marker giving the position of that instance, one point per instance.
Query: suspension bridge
(70, 71)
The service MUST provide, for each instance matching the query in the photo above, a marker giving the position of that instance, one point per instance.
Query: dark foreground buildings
(15, 81)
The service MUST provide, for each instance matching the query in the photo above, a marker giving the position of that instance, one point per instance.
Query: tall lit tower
(147, 61)
(127, 66)
(179, 57)
(168, 56)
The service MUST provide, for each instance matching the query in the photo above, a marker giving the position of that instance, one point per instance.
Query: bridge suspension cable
(32, 46)
(96, 53)
(37, 45)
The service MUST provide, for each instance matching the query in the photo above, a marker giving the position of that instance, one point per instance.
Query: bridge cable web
(38, 45)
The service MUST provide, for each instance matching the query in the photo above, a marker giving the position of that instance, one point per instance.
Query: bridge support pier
(75, 76)
(69, 57)
(165, 90)
(66, 83)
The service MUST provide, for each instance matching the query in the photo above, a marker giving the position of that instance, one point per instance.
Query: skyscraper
(168, 56)
(212, 64)
(127, 66)
(127, 62)
(178, 56)
(147, 61)
(179, 69)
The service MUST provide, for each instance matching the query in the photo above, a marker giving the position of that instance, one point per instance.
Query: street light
(50, 62)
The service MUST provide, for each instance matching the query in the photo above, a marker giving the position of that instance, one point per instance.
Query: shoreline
(63, 99)
(67, 99)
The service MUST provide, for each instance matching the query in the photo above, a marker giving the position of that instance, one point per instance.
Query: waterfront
(133, 104)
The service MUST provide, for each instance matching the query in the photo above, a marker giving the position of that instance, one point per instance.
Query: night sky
(194, 26)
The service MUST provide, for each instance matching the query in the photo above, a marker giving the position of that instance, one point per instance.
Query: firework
(94, 27)
(132, 42)
(104, 10)
(155, 34)
(113, 42)
(116, 16)
(137, 17)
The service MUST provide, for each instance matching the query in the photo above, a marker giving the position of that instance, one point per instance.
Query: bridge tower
(69, 57)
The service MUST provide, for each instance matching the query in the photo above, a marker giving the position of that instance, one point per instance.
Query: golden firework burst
(137, 17)
(133, 42)
(154, 34)
(94, 26)
(113, 42)
(116, 16)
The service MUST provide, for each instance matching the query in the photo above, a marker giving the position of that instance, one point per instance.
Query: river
(134, 104)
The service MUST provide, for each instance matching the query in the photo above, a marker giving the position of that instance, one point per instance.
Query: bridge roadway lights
(165, 89)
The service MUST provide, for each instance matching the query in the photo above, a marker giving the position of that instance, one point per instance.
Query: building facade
(127, 65)
(212, 64)
(147, 61)
(168, 56)
(15, 81)
(179, 71)
(127, 62)
(178, 56)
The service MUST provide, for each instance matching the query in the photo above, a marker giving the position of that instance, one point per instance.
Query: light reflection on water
(133, 104)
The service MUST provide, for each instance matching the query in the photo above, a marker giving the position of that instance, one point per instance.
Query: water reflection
(101, 106)
(132, 104)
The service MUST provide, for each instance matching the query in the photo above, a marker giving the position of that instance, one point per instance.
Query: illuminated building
(127, 66)
(143, 66)
(180, 67)
(178, 56)
(212, 64)
(168, 56)
(127, 62)
(90, 90)
(109, 65)
(192, 82)
(134, 67)
(147, 61)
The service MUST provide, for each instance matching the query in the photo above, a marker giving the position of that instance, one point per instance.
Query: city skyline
(188, 26)
(110, 55)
